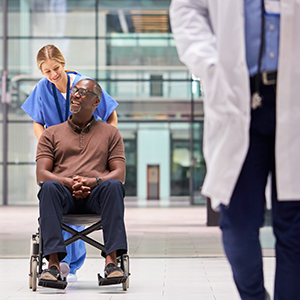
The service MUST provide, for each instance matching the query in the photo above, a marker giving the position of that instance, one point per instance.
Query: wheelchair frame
(37, 254)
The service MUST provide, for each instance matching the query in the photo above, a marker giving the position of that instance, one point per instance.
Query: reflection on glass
(135, 60)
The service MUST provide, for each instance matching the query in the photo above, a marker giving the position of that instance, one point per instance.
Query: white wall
(153, 147)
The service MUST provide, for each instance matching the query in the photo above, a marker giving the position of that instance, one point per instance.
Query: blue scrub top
(41, 107)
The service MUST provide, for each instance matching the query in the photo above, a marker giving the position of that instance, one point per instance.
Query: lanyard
(67, 101)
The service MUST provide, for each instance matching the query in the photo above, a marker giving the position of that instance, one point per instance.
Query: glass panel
(154, 110)
(180, 159)
(22, 143)
(142, 49)
(52, 18)
(1, 18)
(1, 110)
(144, 4)
(133, 59)
(131, 89)
(22, 56)
(1, 183)
(199, 167)
(22, 186)
(129, 135)
(1, 143)
(1, 159)
(1, 52)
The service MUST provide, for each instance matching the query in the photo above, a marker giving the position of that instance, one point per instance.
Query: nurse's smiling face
(54, 71)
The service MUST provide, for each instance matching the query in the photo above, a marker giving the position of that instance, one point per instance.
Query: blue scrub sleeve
(33, 106)
(106, 107)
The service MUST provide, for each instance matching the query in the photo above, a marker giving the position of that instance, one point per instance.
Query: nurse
(48, 105)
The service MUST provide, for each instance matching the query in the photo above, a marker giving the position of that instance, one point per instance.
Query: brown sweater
(85, 152)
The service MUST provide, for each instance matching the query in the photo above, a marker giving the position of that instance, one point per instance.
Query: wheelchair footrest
(110, 281)
(59, 284)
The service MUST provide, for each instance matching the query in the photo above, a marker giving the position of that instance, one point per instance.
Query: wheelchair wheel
(30, 277)
(33, 262)
(34, 266)
(125, 267)
(30, 263)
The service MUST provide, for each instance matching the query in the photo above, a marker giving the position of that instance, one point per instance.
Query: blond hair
(49, 52)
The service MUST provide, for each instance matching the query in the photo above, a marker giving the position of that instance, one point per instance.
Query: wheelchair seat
(93, 221)
(81, 220)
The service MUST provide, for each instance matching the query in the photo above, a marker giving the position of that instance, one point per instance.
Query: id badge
(272, 7)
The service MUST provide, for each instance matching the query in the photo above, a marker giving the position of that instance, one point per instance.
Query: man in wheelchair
(81, 170)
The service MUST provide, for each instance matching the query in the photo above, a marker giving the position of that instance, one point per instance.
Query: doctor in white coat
(247, 54)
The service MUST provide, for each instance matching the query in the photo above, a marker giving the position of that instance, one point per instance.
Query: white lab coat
(210, 40)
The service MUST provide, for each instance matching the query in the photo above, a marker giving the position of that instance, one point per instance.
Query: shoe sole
(48, 276)
(53, 284)
(110, 281)
(115, 274)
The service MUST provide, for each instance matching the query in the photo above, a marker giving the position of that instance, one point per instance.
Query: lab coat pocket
(218, 108)
(218, 94)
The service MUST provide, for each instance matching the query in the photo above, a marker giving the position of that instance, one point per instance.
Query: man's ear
(96, 102)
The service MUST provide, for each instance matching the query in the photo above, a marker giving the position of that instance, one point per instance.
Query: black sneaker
(51, 274)
(112, 271)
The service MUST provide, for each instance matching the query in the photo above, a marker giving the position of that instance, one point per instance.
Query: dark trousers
(241, 220)
(106, 200)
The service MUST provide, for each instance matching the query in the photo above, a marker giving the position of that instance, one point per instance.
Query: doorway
(152, 182)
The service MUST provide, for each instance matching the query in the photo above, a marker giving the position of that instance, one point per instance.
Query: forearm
(113, 119)
(92, 181)
(115, 174)
(38, 129)
(45, 175)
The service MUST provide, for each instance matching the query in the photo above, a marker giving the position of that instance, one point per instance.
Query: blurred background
(128, 47)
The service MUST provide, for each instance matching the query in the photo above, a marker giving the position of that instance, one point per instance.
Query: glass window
(127, 46)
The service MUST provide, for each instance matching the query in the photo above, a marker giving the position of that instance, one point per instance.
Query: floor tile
(172, 255)
(165, 278)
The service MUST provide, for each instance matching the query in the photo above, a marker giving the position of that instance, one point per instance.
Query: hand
(68, 183)
(81, 193)
(80, 189)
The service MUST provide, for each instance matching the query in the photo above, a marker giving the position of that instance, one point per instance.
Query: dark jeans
(240, 222)
(106, 200)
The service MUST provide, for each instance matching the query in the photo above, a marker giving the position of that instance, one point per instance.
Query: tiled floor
(173, 254)
(151, 279)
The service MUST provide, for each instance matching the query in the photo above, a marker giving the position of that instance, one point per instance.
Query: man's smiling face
(82, 96)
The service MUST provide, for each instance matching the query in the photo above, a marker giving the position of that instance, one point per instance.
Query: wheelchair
(94, 223)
